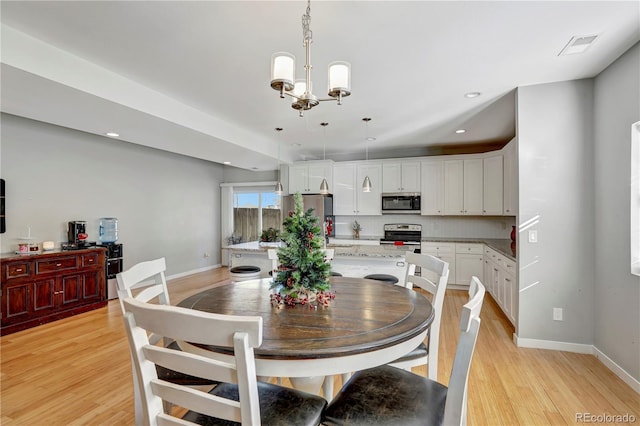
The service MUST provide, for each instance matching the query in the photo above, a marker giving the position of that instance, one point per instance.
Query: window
(255, 210)
(635, 198)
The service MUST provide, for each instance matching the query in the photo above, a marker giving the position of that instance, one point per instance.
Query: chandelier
(283, 74)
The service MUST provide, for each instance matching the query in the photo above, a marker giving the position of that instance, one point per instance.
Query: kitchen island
(352, 258)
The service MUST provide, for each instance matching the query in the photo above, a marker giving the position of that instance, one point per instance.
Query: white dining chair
(387, 395)
(239, 398)
(433, 278)
(146, 282)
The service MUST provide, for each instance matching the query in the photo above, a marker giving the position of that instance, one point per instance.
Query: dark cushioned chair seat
(383, 277)
(181, 378)
(418, 352)
(387, 396)
(336, 274)
(245, 269)
(279, 406)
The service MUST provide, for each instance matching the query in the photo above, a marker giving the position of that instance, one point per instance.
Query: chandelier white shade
(283, 66)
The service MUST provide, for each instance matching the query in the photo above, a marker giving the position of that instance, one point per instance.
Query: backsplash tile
(432, 226)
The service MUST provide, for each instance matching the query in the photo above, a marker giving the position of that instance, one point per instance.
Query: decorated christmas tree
(303, 273)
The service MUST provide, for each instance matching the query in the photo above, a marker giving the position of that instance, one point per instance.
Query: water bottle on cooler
(108, 229)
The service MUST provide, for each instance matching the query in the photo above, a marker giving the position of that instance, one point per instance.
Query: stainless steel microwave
(400, 203)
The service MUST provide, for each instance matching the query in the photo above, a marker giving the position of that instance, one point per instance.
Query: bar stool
(383, 277)
(244, 273)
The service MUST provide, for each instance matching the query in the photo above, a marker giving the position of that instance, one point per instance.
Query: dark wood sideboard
(41, 288)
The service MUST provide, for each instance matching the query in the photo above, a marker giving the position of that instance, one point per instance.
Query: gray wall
(555, 144)
(574, 169)
(617, 292)
(167, 204)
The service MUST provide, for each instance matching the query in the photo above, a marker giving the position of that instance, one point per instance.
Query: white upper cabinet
(510, 207)
(432, 184)
(492, 183)
(463, 187)
(306, 177)
(348, 198)
(401, 176)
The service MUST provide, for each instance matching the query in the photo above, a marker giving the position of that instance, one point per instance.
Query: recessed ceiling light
(578, 44)
(460, 131)
(370, 138)
(296, 144)
(226, 162)
(113, 134)
(472, 94)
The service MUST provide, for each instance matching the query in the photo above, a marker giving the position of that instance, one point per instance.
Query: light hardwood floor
(77, 371)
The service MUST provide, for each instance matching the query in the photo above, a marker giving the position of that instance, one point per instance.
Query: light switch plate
(533, 235)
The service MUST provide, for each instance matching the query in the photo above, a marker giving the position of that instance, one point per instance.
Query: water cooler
(114, 255)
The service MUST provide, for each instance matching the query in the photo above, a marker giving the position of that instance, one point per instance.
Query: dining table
(368, 323)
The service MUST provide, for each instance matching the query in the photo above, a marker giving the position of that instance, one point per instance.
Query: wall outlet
(206, 254)
(533, 235)
(557, 314)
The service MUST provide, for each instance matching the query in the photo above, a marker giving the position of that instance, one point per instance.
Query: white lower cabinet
(500, 281)
(445, 252)
(469, 262)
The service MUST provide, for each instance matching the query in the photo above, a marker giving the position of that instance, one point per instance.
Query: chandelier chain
(307, 34)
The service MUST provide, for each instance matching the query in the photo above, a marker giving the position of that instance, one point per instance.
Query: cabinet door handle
(19, 270)
(58, 264)
(90, 260)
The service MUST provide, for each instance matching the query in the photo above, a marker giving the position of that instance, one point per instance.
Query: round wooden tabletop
(365, 316)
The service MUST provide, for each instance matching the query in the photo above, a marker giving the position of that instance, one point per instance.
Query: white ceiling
(193, 77)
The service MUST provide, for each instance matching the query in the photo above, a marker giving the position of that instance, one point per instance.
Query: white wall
(617, 292)
(167, 204)
(555, 144)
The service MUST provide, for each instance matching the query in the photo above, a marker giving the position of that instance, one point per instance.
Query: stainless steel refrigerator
(322, 206)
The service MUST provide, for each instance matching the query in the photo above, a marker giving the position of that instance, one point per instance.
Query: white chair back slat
(197, 365)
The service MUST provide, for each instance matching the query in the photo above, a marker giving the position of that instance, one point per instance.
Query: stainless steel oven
(400, 203)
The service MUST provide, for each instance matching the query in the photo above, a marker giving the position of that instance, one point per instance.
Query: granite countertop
(371, 246)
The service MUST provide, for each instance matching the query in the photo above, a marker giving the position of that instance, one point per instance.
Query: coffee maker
(77, 235)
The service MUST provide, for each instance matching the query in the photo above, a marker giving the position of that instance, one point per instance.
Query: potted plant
(356, 229)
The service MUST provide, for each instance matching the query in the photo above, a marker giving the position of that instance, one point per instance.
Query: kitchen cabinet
(401, 176)
(306, 177)
(45, 287)
(510, 180)
(348, 198)
(492, 185)
(500, 279)
(432, 184)
(443, 251)
(469, 262)
(463, 187)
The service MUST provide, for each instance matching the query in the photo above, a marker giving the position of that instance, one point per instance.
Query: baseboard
(193, 271)
(617, 370)
(582, 349)
(553, 345)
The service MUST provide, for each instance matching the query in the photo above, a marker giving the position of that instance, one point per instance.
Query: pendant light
(278, 189)
(324, 186)
(366, 184)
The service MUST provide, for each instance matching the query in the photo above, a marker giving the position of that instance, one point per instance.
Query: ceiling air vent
(578, 44)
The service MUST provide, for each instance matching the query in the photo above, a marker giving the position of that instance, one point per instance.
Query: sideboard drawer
(16, 270)
(89, 259)
(60, 264)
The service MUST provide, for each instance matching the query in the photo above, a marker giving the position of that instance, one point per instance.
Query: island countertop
(351, 247)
